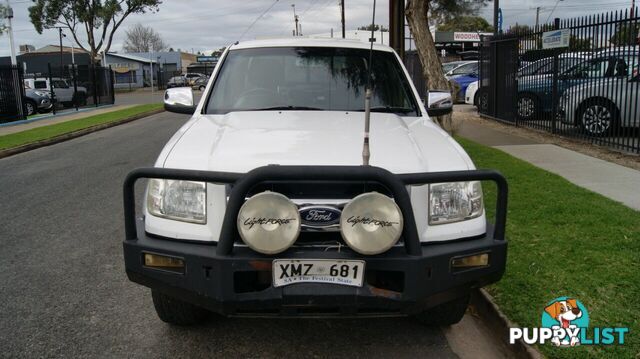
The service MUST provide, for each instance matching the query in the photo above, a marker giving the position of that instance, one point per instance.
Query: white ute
(261, 205)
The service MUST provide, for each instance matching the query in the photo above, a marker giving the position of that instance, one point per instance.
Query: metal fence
(12, 94)
(589, 89)
(75, 86)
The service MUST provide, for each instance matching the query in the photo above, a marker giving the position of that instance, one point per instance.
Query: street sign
(500, 20)
(202, 59)
(556, 38)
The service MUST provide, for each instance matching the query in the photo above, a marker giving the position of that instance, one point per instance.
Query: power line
(258, 18)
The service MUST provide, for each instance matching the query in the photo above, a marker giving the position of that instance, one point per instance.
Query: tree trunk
(417, 12)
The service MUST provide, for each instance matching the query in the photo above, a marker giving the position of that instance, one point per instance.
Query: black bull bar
(243, 183)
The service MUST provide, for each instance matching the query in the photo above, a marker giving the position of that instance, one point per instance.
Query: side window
(60, 84)
(40, 84)
(596, 68)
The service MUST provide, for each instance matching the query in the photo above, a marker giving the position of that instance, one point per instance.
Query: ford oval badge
(320, 216)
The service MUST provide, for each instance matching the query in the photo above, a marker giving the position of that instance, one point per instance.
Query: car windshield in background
(309, 78)
(604, 67)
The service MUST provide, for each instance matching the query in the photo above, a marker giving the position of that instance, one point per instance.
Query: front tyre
(528, 106)
(30, 107)
(481, 100)
(176, 312)
(444, 314)
(598, 117)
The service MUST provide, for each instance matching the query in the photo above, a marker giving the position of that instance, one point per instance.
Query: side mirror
(439, 103)
(179, 100)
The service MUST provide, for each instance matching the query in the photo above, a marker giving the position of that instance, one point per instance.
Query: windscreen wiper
(295, 108)
(389, 109)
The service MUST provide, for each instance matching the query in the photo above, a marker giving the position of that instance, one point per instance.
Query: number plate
(342, 272)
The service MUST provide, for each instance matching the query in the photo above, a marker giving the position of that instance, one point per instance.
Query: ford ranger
(262, 203)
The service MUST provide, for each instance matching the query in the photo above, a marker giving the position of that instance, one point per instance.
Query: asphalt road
(64, 292)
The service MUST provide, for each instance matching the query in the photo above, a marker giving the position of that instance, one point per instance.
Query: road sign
(556, 38)
(202, 59)
(500, 20)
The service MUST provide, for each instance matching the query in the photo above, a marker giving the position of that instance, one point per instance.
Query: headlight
(269, 222)
(454, 201)
(371, 223)
(180, 200)
(41, 94)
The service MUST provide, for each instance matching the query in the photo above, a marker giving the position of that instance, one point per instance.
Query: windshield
(466, 69)
(309, 78)
(450, 66)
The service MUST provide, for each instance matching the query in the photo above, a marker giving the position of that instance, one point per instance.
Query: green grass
(45, 132)
(566, 241)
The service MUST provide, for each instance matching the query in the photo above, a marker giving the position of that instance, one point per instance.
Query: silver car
(600, 107)
(36, 101)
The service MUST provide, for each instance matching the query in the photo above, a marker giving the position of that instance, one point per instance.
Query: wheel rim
(596, 119)
(30, 109)
(526, 107)
(484, 102)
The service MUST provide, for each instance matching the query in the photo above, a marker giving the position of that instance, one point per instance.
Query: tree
(579, 44)
(98, 19)
(418, 13)
(140, 38)
(466, 23)
(626, 35)
(375, 28)
(4, 11)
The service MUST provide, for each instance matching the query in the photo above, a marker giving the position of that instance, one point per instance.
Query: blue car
(463, 81)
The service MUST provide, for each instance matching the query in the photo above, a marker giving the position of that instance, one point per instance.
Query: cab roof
(309, 42)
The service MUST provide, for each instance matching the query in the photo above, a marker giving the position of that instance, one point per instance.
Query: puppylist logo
(565, 323)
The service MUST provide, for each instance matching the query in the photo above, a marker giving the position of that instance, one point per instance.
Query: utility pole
(295, 19)
(537, 9)
(61, 55)
(13, 49)
(342, 15)
(496, 7)
(633, 7)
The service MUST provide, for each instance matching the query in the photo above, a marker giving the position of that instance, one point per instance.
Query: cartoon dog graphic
(565, 311)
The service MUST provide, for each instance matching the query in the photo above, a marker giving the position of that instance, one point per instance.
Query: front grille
(325, 190)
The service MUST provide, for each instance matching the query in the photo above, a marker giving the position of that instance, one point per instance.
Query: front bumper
(395, 283)
(231, 279)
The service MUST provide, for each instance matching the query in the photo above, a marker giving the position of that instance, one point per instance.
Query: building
(130, 71)
(454, 42)
(38, 61)
(169, 61)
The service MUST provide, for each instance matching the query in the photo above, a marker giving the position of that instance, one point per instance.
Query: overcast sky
(204, 25)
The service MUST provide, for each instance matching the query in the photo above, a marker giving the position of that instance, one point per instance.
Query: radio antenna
(366, 153)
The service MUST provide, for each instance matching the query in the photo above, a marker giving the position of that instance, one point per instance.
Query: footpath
(606, 178)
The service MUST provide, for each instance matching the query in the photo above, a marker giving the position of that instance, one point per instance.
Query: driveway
(64, 292)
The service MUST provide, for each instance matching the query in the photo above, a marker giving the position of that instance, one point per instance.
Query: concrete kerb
(75, 134)
(498, 322)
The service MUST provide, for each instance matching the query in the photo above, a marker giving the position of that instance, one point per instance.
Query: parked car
(177, 81)
(463, 81)
(63, 90)
(36, 101)
(465, 68)
(545, 66)
(449, 66)
(535, 92)
(200, 84)
(602, 107)
(261, 204)
(191, 77)
(470, 94)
